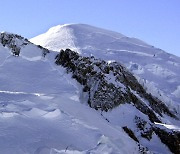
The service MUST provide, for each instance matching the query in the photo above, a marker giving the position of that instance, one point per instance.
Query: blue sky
(156, 22)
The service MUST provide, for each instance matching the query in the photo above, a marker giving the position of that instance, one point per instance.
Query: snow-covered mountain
(65, 102)
(157, 70)
(40, 109)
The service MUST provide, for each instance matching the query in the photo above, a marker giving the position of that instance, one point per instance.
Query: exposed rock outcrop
(16, 42)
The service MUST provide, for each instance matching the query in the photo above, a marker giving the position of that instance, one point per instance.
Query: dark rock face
(145, 128)
(109, 85)
(9, 40)
(169, 138)
(130, 133)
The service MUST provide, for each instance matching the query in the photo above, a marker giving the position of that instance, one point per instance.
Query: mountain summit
(80, 36)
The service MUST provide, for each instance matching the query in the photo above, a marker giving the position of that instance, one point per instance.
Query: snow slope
(40, 110)
(157, 70)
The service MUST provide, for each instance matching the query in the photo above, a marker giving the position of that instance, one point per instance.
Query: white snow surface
(157, 70)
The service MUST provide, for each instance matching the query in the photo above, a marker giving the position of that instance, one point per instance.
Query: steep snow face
(157, 70)
(40, 110)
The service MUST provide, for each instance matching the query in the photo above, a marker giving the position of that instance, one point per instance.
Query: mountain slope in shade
(157, 70)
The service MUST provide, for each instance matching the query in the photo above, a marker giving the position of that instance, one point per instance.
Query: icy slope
(40, 110)
(157, 70)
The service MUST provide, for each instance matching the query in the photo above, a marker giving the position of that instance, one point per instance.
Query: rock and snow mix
(47, 108)
(107, 86)
(153, 65)
(40, 110)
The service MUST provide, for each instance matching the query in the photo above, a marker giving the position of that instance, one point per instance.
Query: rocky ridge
(15, 42)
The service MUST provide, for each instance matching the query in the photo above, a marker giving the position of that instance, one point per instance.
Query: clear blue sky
(156, 22)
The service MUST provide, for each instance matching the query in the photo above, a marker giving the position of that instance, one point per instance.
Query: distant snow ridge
(79, 35)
